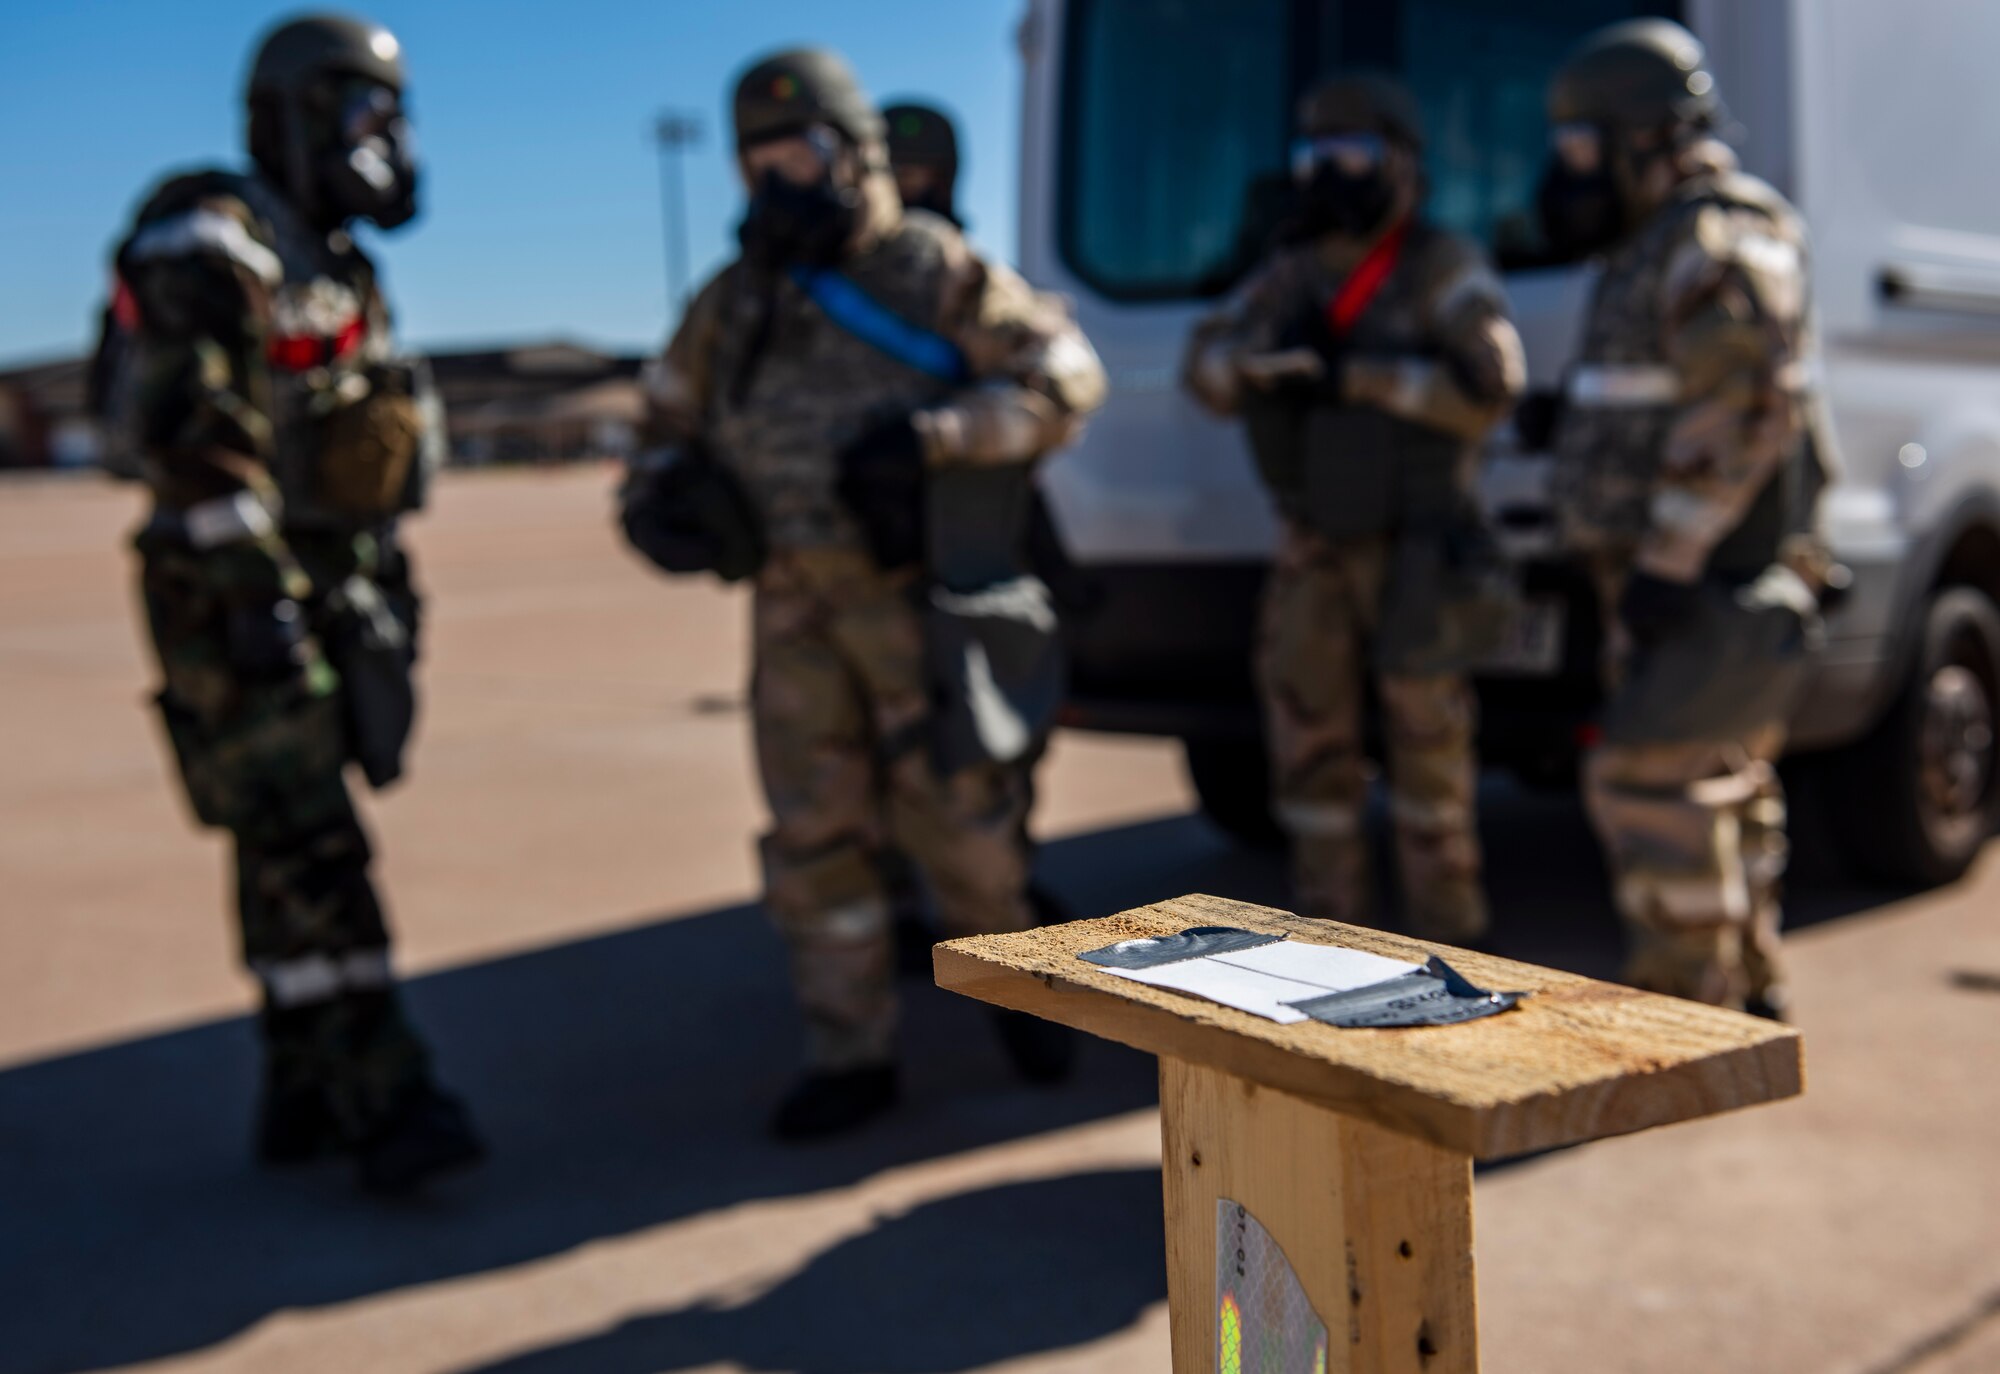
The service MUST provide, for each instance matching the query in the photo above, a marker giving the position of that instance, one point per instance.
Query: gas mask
(368, 170)
(801, 223)
(926, 188)
(1344, 183)
(1581, 207)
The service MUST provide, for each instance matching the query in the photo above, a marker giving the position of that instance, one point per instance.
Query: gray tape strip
(1435, 995)
(1173, 949)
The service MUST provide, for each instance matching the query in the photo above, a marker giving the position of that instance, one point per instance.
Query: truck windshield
(1177, 114)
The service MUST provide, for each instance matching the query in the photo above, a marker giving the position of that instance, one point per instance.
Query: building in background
(545, 402)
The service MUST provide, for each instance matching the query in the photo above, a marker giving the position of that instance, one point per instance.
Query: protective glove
(1537, 419)
(266, 641)
(882, 481)
(1653, 608)
(686, 514)
(1309, 333)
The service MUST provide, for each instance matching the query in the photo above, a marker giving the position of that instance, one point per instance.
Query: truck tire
(1917, 798)
(1233, 781)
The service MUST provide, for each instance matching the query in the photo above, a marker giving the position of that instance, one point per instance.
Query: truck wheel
(1918, 796)
(1233, 781)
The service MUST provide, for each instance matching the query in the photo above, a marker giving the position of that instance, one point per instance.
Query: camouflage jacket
(1434, 347)
(776, 390)
(1691, 399)
(260, 391)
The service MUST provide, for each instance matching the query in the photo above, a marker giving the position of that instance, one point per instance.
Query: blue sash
(855, 311)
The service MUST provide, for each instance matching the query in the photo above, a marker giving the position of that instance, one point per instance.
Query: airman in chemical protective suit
(1690, 455)
(855, 403)
(1369, 357)
(283, 438)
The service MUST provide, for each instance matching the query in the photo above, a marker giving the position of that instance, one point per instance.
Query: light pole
(675, 131)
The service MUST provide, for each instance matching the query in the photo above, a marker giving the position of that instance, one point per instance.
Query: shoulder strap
(1365, 282)
(868, 320)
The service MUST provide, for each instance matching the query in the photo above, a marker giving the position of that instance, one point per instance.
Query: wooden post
(1353, 1149)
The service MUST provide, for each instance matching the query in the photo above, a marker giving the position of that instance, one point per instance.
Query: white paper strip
(1265, 980)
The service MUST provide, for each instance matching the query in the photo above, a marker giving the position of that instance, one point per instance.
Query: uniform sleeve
(1036, 375)
(201, 271)
(1734, 303)
(1480, 369)
(679, 384)
(1248, 323)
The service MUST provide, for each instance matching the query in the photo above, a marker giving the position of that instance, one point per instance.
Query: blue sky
(543, 193)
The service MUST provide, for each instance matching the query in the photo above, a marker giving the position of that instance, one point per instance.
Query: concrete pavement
(570, 869)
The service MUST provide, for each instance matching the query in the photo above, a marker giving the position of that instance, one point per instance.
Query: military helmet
(302, 50)
(787, 91)
(1642, 73)
(921, 136)
(1363, 101)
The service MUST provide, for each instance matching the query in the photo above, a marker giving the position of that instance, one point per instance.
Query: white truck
(1154, 144)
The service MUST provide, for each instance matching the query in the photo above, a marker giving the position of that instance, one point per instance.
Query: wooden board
(1376, 1226)
(1578, 1060)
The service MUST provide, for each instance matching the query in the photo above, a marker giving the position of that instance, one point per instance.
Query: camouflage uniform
(1433, 363)
(260, 351)
(839, 697)
(1683, 455)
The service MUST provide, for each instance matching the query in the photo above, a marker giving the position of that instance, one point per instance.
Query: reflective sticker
(1264, 1321)
(1435, 995)
(1615, 385)
(1194, 943)
(227, 520)
(207, 231)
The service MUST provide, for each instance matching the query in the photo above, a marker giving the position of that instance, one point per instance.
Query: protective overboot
(428, 1135)
(1041, 1051)
(294, 1125)
(296, 1120)
(833, 1102)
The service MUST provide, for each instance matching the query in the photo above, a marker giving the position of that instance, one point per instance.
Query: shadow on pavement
(957, 1284)
(624, 1080)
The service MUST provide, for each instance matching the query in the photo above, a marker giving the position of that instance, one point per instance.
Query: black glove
(1653, 608)
(687, 515)
(1310, 331)
(1536, 420)
(265, 640)
(882, 481)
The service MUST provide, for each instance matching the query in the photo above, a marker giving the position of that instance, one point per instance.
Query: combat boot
(429, 1134)
(1042, 1052)
(829, 1103)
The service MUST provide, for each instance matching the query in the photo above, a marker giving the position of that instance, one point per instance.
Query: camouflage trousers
(1320, 614)
(263, 758)
(1695, 836)
(840, 705)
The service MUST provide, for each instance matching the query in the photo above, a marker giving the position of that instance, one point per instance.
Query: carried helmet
(1643, 73)
(1362, 102)
(790, 91)
(326, 120)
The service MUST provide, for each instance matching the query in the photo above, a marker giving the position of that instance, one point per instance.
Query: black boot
(429, 1134)
(1041, 1051)
(827, 1104)
(295, 1126)
(296, 1121)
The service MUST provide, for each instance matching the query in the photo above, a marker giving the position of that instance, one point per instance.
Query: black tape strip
(1435, 995)
(1174, 949)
